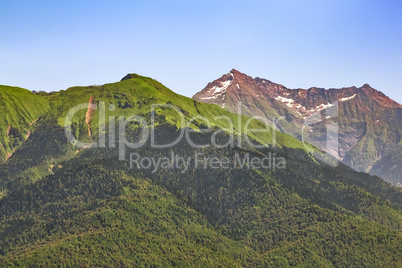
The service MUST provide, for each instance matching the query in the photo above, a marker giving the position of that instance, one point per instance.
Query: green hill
(134, 96)
(19, 109)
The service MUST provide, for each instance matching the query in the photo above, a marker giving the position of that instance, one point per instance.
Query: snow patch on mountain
(216, 91)
(291, 104)
(222, 88)
(209, 98)
(322, 107)
(300, 109)
(288, 102)
(347, 98)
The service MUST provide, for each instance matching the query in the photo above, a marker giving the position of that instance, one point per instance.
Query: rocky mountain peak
(237, 73)
(379, 97)
(361, 112)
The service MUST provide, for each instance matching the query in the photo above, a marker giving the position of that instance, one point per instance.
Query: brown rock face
(89, 114)
(8, 130)
(368, 122)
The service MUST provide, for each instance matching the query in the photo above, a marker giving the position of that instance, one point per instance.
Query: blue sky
(52, 45)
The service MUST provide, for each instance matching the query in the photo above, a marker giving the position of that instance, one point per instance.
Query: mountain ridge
(369, 121)
(275, 89)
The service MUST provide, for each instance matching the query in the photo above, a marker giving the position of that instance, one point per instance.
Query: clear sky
(52, 45)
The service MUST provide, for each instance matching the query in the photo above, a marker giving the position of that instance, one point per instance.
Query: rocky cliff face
(368, 122)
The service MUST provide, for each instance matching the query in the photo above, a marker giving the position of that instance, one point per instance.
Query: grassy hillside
(19, 108)
(133, 96)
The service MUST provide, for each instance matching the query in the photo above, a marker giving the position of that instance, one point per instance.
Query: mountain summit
(370, 123)
(130, 76)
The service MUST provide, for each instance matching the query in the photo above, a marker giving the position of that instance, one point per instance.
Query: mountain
(70, 205)
(369, 124)
(129, 97)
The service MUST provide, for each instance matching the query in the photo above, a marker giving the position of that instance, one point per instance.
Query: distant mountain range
(369, 122)
(63, 204)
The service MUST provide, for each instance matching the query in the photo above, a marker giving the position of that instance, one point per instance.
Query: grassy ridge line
(20, 107)
(136, 95)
